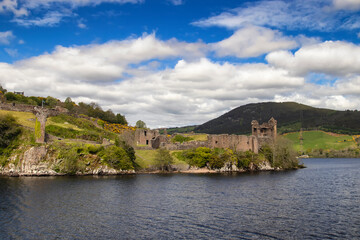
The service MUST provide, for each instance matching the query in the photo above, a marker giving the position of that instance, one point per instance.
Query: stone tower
(266, 131)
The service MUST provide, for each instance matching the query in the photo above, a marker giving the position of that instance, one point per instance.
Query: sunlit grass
(63, 125)
(26, 119)
(320, 140)
(146, 158)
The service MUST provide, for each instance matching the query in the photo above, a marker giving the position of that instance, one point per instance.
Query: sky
(182, 62)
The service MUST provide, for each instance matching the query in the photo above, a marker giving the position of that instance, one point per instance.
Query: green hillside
(291, 117)
(320, 140)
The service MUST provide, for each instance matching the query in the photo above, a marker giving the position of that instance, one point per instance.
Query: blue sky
(182, 62)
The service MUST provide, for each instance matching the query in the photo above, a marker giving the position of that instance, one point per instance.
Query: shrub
(245, 158)
(284, 154)
(163, 159)
(95, 149)
(9, 133)
(117, 158)
(9, 130)
(181, 139)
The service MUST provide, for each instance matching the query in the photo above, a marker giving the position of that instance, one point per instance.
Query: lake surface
(319, 202)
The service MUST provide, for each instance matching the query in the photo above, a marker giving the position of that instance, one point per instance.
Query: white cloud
(293, 15)
(81, 24)
(335, 58)
(347, 4)
(191, 92)
(128, 77)
(12, 6)
(55, 10)
(12, 52)
(109, 61)
(252, 41)
(75, 3)
(6, 37)
(177, 2)
(50, 19)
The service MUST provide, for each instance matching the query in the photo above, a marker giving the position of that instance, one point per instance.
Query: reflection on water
(321, 201)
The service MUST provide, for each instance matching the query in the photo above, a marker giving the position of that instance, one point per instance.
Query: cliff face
(40, 161)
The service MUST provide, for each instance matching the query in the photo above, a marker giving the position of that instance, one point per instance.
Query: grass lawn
(199, 137)
(320, 140)
(63, 125)
(26, 119)
(146, 158)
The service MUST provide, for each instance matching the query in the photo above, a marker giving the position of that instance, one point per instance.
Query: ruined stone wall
(145, 136)
(16, 107)
(184, 145)
(236, 142)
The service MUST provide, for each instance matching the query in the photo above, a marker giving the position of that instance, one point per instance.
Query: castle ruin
(261, 134)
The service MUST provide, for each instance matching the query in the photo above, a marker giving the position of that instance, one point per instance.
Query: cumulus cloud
(281, 14)
(331, 57)
(253, 41)
(127, 76)
(193, 91)
(6, 37)
(109, 61)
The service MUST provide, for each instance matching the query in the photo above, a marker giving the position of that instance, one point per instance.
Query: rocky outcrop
(39, 161)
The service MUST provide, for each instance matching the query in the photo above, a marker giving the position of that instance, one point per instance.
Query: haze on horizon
(182, 62)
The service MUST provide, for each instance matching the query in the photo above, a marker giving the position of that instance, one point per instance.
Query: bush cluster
(9, 132)
(280, 155)
(75, 157)
(181, 139)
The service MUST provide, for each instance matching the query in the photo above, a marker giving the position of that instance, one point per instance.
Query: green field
(26, 119)
(198, 137)
(146, 158)
(320, 140)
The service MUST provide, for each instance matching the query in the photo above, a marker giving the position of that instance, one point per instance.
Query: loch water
(319, 202)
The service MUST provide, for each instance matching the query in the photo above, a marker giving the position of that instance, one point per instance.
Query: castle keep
(261, 134)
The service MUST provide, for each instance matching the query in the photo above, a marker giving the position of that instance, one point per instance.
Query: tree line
(89, 109)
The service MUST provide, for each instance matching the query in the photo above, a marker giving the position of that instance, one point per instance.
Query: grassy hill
(291, 117)
(320, 140)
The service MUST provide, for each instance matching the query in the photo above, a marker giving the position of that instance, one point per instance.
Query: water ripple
(319, 202)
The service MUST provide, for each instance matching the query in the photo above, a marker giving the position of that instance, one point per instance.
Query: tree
(140, 124)
(284, 155)
(69, 104)
(121, 119)
(51, 102)
(163, 159)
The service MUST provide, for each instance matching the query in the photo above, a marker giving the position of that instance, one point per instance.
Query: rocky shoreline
(38, 161)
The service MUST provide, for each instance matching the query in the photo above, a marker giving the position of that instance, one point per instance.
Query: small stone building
(145, 137)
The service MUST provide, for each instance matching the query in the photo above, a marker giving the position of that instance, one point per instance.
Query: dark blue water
(319, 202)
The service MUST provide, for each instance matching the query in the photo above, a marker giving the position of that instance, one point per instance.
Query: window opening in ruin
(147, 142)
(145, 133)
(216, 142)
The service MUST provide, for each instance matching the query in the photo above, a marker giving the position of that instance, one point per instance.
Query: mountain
(291, 116)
